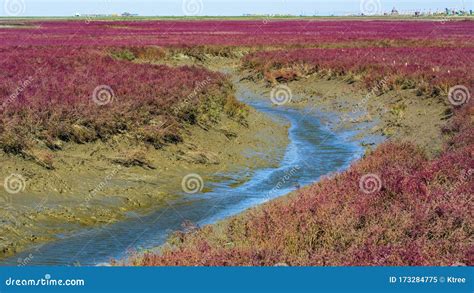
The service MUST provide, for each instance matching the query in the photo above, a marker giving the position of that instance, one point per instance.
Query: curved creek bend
(313, 151)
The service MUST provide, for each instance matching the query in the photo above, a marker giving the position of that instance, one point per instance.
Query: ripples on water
(313, 151)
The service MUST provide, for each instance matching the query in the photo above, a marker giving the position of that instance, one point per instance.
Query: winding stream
(313, 151)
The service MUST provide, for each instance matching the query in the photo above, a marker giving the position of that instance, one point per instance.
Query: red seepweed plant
(430, 70)
(420, 214)
(73, 81)
(82, 95)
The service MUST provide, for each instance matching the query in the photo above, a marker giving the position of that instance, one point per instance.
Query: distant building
(128, 14)
(104, 15)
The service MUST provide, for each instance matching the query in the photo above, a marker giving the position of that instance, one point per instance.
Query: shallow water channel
(313, 151)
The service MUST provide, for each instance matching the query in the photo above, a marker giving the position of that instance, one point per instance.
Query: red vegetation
(51, 94)
(422, 215)
(231, 33)
(430, 70)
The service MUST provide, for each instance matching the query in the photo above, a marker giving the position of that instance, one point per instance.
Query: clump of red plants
(419, 68)
(422, 215)
(265, 32)
(51, 95)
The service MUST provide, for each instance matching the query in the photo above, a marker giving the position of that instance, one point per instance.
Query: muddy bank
(397, 115)
(400, 115)
(100, 183)
(313, 151)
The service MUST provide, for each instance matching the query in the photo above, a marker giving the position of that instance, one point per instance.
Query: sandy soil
(395, 115)
(97, 184)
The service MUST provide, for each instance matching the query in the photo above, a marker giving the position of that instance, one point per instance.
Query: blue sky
(218, 7)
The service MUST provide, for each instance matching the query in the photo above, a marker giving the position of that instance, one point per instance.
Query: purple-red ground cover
(51, 94)
(433, 71)
(271, 32)
(61, 81)
(419, 214)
